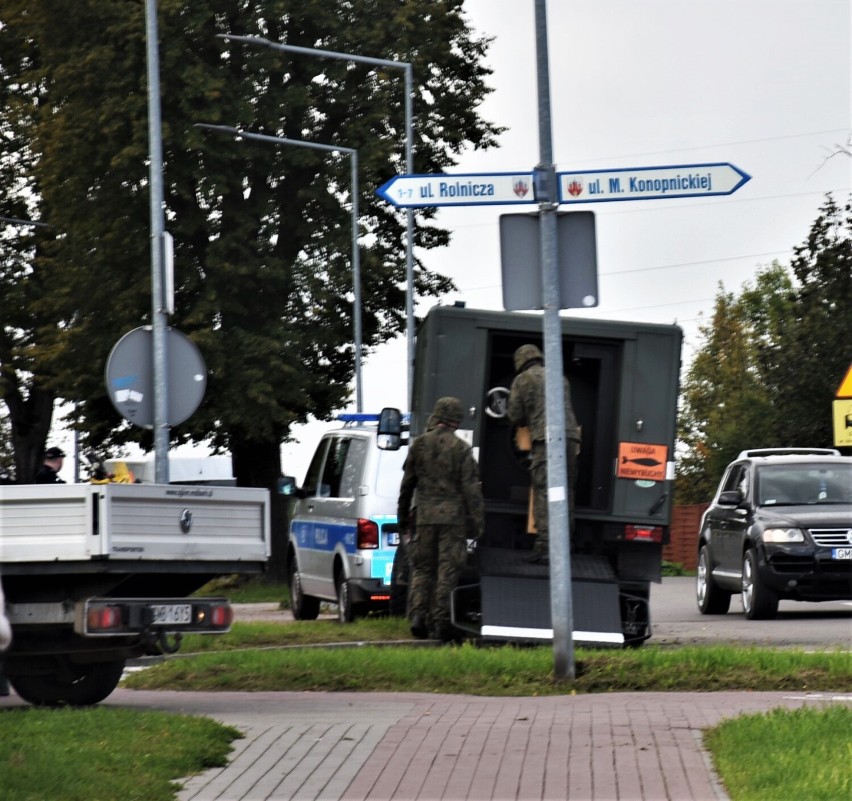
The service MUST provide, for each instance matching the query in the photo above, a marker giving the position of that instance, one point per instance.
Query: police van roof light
(365, 417)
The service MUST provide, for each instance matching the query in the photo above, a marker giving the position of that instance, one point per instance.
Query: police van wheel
(346, 610)
(303, 607)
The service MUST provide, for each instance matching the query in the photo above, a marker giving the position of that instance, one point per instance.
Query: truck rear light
(367, 535)
(213, 616)
(375, 597)
(221, 616)
(104, 618)
(643, 533)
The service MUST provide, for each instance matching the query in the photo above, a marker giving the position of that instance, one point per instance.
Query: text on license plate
(841, 553)
(168, 614)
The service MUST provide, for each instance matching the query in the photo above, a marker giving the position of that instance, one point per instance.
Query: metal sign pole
(557, 484)
(158, 306)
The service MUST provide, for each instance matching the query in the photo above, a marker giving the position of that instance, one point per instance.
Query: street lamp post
(409, 168)
(356, 262)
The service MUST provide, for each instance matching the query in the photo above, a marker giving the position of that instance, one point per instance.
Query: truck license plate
(169, 614)
(841, 553)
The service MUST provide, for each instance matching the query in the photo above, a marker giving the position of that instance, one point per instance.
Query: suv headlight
(782, 535)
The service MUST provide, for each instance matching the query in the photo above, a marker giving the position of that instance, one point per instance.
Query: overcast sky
(765, 85)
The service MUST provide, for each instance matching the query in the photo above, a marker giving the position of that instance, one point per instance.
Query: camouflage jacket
(527, 407)
(442, 469)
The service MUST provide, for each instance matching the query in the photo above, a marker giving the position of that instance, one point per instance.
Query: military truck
(624, 386)
(96, 574)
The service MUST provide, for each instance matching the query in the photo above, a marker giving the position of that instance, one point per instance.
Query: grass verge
(303, 632)
(102, 754)
(493, 671)
(109, 754)
(241, 589)
(785, 754)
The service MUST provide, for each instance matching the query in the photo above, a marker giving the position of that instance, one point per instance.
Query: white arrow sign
(647, 183)
(505, 188)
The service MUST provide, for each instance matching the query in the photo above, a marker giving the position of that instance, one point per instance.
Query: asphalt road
(675, 619)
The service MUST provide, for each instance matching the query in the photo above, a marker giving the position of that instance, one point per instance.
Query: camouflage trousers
(538, 480)
(437, 555)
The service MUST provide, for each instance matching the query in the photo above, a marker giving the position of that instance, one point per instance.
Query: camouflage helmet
(448, 410)
(526, 354)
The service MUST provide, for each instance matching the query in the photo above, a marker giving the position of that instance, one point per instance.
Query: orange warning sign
(845, 388)
(641, 460)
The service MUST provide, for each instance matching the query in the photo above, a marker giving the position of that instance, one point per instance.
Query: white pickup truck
(95, 574)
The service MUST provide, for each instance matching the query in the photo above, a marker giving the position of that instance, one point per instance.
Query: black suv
(780, 526)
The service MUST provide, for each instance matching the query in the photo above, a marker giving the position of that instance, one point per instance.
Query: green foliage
(784, 754)
(675, 569)
(100, 753)
(262, 232)
(771, 360)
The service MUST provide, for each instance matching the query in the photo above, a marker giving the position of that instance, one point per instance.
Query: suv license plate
(841, 553)
(170, 614)
(393, 538)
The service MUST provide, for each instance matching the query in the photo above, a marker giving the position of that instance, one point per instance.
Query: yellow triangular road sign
(845, 388)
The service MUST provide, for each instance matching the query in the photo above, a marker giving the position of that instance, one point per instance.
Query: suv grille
(827, 537)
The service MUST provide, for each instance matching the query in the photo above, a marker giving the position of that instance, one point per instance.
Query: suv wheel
(303, 607)
(712, 600)
(759, 601)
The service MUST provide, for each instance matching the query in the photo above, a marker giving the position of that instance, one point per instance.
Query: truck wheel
(71, 684)
(712, 599)
(759, 601)
(399, 581)
(303, 607)
(346, 610)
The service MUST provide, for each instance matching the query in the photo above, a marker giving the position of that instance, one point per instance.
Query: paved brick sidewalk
(407, 746)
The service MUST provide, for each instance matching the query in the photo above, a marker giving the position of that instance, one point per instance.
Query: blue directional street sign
(587, 186)
(649, 183)
(504, 188)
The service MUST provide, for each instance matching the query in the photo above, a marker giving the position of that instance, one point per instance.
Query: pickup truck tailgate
(133, 521)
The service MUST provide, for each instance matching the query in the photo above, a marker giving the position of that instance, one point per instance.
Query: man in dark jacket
(441, 467)
(49, 472)
(527, 407)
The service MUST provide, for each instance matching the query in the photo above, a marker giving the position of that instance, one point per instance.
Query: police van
(343, 528)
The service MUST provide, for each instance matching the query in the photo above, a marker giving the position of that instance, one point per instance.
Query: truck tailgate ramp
(515, 597)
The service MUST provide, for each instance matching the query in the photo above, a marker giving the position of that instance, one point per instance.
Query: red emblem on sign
(521, 187)
(575, 188)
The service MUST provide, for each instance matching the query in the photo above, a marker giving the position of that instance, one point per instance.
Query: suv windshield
(794, 484)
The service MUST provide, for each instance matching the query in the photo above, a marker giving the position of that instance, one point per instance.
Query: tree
(262, 233)
(812, 351)
(7, 457)
(771, 360)
(23, 314)
(725, 407)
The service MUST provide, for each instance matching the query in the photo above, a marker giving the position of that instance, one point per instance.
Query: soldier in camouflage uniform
(527, 407)
(441, 467)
